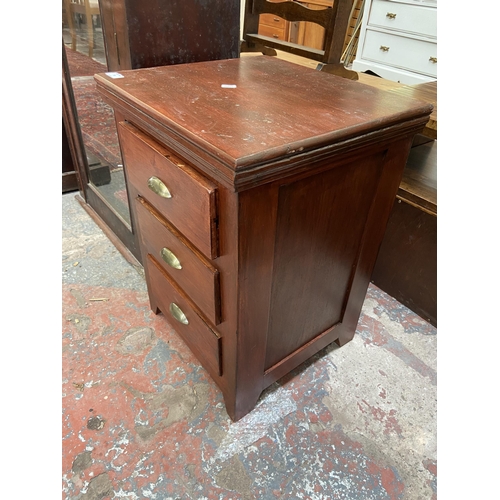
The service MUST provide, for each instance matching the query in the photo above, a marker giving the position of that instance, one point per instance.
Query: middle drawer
(194, 274)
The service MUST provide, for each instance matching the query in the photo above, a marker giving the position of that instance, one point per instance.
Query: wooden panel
(406, 266)
(192, 209)
(197, 277)
(311, 276)
(204, 342)
(162, 32)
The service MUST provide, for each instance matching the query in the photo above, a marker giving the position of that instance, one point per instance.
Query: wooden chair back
(334, 20)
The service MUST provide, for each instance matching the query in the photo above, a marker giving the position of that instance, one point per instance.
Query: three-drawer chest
(260, 190)
(398, 40)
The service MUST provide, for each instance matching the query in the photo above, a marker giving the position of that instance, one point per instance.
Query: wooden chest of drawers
(261, 190)
(273, 26)
(398, 40)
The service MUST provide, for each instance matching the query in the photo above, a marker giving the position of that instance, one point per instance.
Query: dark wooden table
(271, 185)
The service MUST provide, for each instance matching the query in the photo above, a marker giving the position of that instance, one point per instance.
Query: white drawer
(401, 52)
(415, 19)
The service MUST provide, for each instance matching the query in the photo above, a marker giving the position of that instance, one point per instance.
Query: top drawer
(272, 20)
(183, 196)
(415, 19)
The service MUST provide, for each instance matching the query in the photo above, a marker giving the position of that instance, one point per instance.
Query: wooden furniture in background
(406, 266)
(278, 181)
(86, 8)
(319, 30)
(398, 40)
(310, 34)
(163, 32)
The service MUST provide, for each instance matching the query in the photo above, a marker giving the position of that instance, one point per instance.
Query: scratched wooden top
(252, 110)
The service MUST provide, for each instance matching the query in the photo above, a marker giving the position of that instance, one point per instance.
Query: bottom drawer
(272, 31)
(205, 343)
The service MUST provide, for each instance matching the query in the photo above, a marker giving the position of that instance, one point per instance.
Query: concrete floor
(141, 418)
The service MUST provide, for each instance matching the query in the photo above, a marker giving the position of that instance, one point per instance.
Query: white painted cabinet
(398, 40)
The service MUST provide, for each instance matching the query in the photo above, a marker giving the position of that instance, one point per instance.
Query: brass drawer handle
(277, 19)
(433, 59)
(390, 15)
(276, 36)
(158, 187)
(177, 313)
(169, 257)
(384, 48)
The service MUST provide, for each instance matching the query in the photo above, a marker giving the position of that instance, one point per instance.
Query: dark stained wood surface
(277, 110)
(317, 255)
(298, 242)
(163, 32)
(406, 266)
(160, 32)
(423, 91)
(419, 183)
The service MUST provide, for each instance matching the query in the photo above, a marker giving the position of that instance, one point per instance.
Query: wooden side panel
(318, 236)
(374, 230)
(406, 266)
(257, 213)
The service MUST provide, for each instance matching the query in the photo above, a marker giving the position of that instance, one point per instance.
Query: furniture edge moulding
(232, 172)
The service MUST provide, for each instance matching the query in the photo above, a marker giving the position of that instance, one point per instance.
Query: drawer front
(190, 203)
(272, 32)
(194, 274)
(204, 342)
(272, 20)
(401, 52)
(415, 19)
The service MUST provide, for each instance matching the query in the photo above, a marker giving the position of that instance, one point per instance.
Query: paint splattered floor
(142, 420)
